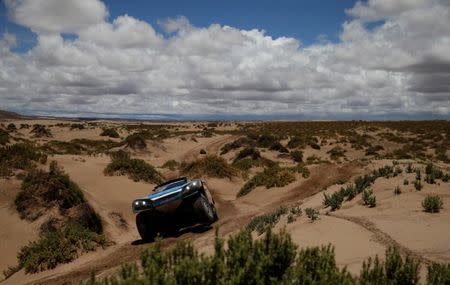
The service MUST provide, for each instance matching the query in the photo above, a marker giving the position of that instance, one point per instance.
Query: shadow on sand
(198, 229)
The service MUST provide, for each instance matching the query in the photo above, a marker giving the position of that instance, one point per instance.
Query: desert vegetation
(76, 228)
(432, 204)
(272, 176)
(274, 259)
(110, 132)
(80, 146)
(23, 156)
(265, 222)
(210, 165)
(397, 167)
(40, 131)
(136, 169)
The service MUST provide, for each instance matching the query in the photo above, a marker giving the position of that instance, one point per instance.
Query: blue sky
(336, 59)
(303, 20)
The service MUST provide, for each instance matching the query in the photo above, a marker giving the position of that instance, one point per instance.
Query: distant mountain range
(9, 115)
(161, 117)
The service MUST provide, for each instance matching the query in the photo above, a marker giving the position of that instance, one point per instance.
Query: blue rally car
(173, 205)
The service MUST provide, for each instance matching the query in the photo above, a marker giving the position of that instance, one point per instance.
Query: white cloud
(401, 66)
(56, 16)
(123, 32)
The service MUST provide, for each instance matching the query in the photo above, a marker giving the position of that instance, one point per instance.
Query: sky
(374, 59)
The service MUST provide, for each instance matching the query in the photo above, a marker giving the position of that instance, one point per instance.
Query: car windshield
(170, 185)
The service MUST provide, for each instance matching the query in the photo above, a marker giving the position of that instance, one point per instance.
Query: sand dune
(357, 232)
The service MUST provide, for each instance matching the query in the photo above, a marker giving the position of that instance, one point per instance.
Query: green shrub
(210, 165)
(40, 131)
(363, 182)
(301, 168)
(278, 147)
(43, 190)
(297, 156)
(244, 164)
(62, 147)
(432, 173)
(293, 214)
(109, 132)
(438, 274)
(333, 201)
(208, 132)
(295, 142)
(273, 176)
(18, 156)
(409, 168)
(445, 178)
(11, 127)
(234, 145)
(57, 247)
(418, 185)
(262, 223)
(336, 152)
(136, 169)
(418, 175)
(394, 270)
(171, 164)
(4, 137)
(368, 198)
(432, 204)
(386, 171)
(405, 182)
(397, 171)
(77, 126)
(397, 190)
(317, 265)
(248, 152)
(136, 141)
(349, 192)
(314, 145)
(266, 140)
(373, 150)
(80, 146)
(312, 214)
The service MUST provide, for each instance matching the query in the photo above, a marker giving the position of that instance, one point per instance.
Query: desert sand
(356, 231)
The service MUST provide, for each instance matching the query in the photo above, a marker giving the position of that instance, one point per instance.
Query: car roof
(172, 181)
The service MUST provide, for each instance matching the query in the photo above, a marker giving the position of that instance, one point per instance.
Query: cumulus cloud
(400, 66)
(56, 16)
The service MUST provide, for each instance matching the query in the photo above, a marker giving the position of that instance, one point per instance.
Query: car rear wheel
(145, 228)
(205, 211)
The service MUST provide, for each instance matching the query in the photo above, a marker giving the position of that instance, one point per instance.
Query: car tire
(204, 210)
(145, 228)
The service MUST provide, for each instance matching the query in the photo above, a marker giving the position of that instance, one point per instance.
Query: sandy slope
(14, 232)
(357, 232)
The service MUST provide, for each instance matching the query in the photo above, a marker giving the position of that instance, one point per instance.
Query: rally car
(173, 205)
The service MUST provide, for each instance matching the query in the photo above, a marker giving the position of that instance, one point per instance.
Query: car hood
(166, 192)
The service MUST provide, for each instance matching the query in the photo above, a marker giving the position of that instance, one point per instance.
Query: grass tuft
(136, 169)
(272, 176)
(210, 165)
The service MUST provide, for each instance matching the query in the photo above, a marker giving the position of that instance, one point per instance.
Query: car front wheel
(204, 210)
(145, 228)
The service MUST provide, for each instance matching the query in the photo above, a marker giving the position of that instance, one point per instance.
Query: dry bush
(210, 165)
